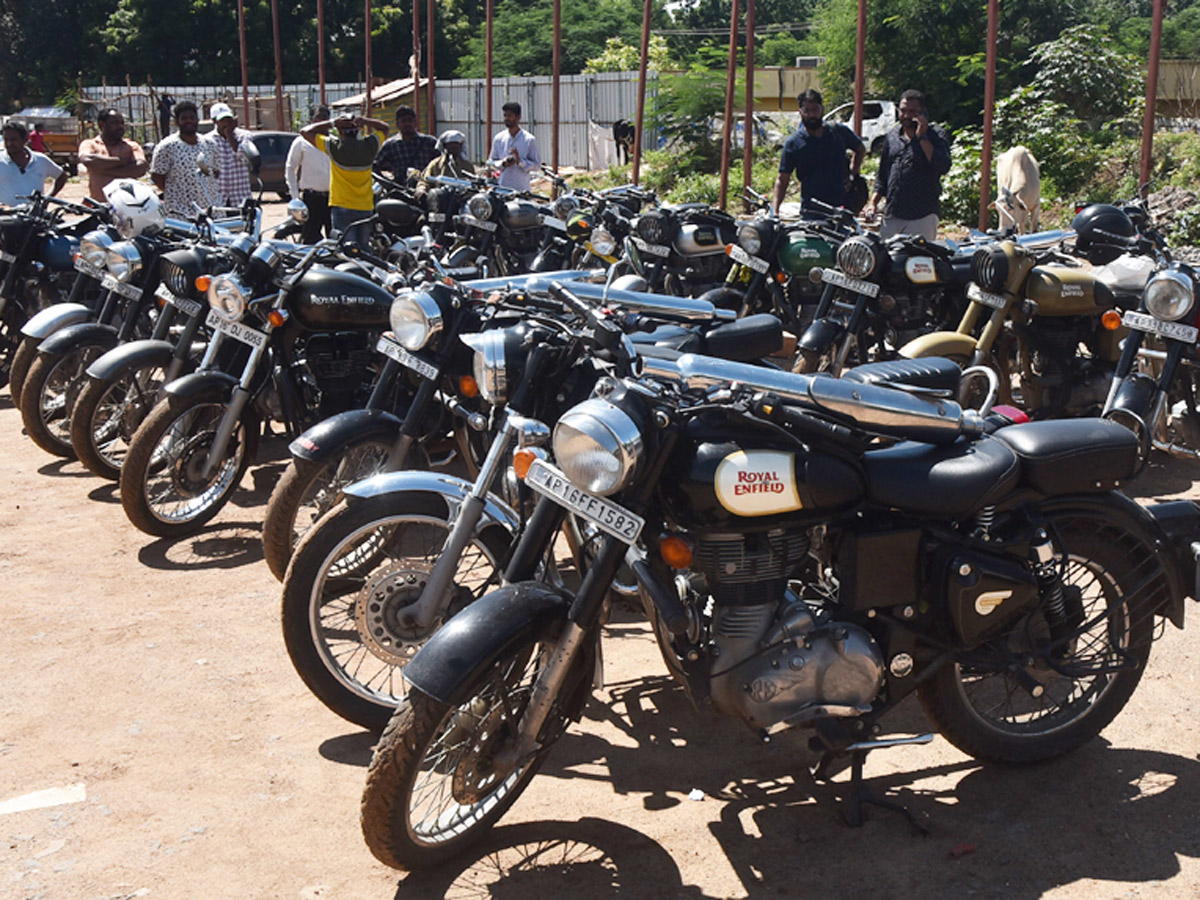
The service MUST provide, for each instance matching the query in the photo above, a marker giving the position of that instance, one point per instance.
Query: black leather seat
(1071, 456)
(933, 373)
(952, 480)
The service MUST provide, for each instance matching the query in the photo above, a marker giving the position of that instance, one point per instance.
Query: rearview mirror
(202, 164)
(298, 210)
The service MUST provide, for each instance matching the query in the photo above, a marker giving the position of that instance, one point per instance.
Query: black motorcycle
(682, 248)
(499, 234)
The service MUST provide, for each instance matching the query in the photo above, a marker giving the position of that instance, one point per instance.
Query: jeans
(343, 220)
(926, 226)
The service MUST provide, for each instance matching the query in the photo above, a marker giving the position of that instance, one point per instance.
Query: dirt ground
(146, 682)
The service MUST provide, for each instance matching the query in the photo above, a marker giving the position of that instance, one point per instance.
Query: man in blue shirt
(817, 155)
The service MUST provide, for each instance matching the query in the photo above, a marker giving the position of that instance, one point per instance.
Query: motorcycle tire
(808, 362)
(350, 577)
(989, 714)
(49, 393)
(163, 490)
(307, 490)
(107, 415)
(431, 790)
(22, 359)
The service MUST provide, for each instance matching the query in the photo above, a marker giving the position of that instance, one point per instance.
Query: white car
(878, 117)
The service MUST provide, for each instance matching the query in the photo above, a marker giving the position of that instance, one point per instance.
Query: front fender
(450, 662)
(211, 385)
(130, 356)
(66, 339)
(821, 335)
(453, 490)
(321, 442)
(48, 321)
(940, 343)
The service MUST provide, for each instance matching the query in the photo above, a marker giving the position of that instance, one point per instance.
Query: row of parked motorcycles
(830, 470)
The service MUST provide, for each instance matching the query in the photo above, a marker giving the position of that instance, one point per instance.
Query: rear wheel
(49, 394)
(108, 414)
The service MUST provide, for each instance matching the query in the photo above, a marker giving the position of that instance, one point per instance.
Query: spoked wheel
(434, 785)
(350, 583)
(810, 361)
(1048, 702)
(307, 490)
(49, 393)
(108, 414)
(165, 489)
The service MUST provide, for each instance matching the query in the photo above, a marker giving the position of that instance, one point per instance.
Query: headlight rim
(240, 291)
(625, 444)
(480, 206)
(845, 256)
(750, 237)
(128, 261)
(1179, 280)
(431, 316)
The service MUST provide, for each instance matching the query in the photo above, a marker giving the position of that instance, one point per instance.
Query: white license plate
(477, 223)
(183, 304)
(436, 217)
(653, 249)
(392, 350)
(842, 280)
(553, 222)
(1177, 330)
(90, 270)
(987, 298)
(616, 520)
(7, 257)
(236, 330)
(758, 264)
(128, 291)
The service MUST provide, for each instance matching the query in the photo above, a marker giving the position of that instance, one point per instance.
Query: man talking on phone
(915, 157)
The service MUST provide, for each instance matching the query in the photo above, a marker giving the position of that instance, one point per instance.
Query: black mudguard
(821, 335)
(447, 666)
(129, 356)
(325, 439)
(211, 385)
(550, 259)
(67, 339)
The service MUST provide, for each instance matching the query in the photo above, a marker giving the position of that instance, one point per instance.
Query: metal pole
(367, 51)
(727, 127)
(487, 127)
(748, 138)
(416, 60)
(1151, 92)
(554, 103)
(278, 69)
(989, 103)
(860, 64)
(641, 109)
(429, 77)
(321, 48)
(245, 77)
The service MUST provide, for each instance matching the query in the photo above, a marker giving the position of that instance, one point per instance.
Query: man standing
(174, 170)
(307, 175)
(350, 152)
(915, 157)
(110, 155)
(23, 171)
(817, 155)
(514, 151)
(233, 173)
(37, 139)
(406, 151)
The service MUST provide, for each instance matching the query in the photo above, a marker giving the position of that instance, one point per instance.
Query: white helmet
(135, 207)
(451, 137)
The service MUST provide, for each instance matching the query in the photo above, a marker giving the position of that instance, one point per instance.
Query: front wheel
(108, 414)
(49, 393)
(808, 362)
(164, 488)
(22, 359)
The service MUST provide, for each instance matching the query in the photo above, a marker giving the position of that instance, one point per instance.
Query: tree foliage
(618, 56)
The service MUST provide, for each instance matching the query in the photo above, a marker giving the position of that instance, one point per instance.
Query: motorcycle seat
(667, 337)
(952, 480)
(932, 373)
(1071, 456)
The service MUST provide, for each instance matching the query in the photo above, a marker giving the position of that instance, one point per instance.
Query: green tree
(621, 57)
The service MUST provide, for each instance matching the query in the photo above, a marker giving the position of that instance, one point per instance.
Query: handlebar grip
(559, 291)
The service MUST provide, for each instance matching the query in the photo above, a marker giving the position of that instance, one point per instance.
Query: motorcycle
(499, 234)
(815, 550)
(683, 247)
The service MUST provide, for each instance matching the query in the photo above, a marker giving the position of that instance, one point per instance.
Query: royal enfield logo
(809, 253)
(987, 603)
(757, 483)
(920, 270)
(341, 300)
(1072, 290)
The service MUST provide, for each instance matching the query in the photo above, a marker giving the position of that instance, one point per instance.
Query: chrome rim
(121, 409)
(61, 388)
(356, 464)
(175, 488)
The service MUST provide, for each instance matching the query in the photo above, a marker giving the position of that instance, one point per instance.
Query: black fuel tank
(328, 300)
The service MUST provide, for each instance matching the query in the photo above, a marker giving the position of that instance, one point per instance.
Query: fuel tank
(800, 252)
(522, 214)
(919, 271)
(753, 481)
(699, 239)
(59, 251)
(1063, 291)
(326, 299)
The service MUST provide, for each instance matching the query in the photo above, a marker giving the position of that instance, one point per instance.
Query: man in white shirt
(23, 171)
(514, 151)
(307, 176)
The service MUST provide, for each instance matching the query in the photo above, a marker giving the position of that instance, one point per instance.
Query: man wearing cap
(307, 175)
(350, 152)
(110, 154)
(452, 162)
(233, 172)
(407, 150)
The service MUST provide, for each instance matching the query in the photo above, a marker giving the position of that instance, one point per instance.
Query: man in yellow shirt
(351, 143)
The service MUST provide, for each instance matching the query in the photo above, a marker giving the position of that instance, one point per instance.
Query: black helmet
(1097, 228)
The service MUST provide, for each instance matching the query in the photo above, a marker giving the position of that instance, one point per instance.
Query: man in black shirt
(915, 157)
(408, 149)
(817, 154)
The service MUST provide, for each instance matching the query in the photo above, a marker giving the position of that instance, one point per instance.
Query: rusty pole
(989, 105)
(429, 77)
(367, 52)
(748, 137)
(245, 77)
(860, 65)
(727, 126)
(487, 103)
(1151, 92)
(321, 48)
(416, 60)
(278, 69)
(555, 99)
(641, 109)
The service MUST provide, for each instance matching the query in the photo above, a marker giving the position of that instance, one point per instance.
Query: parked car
(878, 117)
(273, 147)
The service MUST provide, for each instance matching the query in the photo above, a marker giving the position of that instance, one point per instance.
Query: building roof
(381, 95)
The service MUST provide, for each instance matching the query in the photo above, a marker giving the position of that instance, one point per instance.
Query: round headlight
(565, 205)
(856, 257)
(93, 247)
(415, 318)
(123, 260)
(1169, 295)
(652, 228)
(228, 296)
(750, 239)
(597, 446)
(603, 243)
(490, 366)
(480, 206)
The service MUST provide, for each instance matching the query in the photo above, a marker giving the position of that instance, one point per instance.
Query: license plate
(987, 298)
(7, 257)
(758, 264)
(436, 217)
(617, 521)
(392, 350)
(236, 330)
(128, 291)
(842, 280)
(1177, 330)
(183, 304)
(653, 249)
(553, 222)
(88, 269)
(477, 223)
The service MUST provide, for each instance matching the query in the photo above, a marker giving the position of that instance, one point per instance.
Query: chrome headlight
(123, 260)
(603, 243)
(652, 228)
(93, 247)
(480, 206)
(415, 318)
(262, 264)
(565, 205)
(598, 446)
(228, 296)
(491, 365)
(750, 239)
(856, 257)
(1169, 295)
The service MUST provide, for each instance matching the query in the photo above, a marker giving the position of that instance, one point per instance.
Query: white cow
(1020, 187)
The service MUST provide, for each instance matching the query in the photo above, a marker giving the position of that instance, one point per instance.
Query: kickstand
(858, 794)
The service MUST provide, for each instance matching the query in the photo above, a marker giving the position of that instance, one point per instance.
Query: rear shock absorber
(1049, 577)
